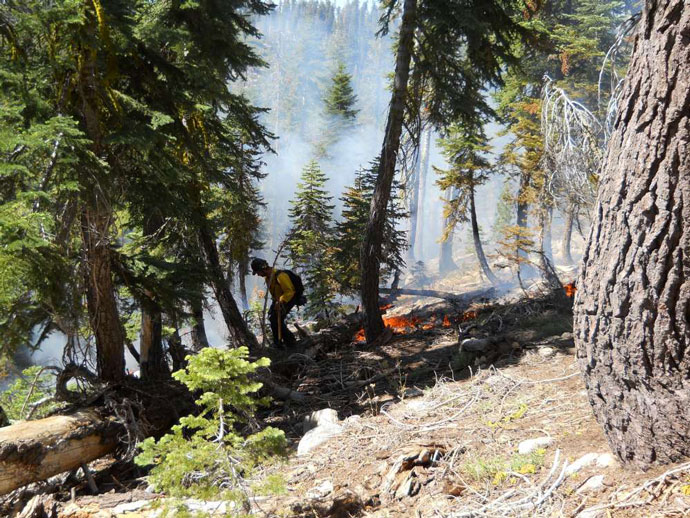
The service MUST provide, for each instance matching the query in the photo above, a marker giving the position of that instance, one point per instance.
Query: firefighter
(285, 297)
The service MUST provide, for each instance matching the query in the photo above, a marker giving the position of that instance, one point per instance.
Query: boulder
(319, 417)
(317, 436)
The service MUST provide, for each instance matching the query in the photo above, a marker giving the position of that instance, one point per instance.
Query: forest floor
(427, 429)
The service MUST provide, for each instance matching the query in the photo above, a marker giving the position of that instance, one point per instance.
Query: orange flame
(469, 315)
(570, 289)
(385, 307)
(446, 321)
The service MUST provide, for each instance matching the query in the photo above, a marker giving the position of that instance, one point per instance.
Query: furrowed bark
(633, 300)
(100, 295)
(371, 246)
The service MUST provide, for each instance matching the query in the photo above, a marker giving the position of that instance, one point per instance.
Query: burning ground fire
(403, 325)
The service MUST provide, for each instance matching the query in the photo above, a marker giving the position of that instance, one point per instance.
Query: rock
(323, 489)
(530, 445)
(516, 345)
(317, 436)
(567, 336)
(546, 352)
(475, 344)
(319, 417)
(605, 460)
(584, 461)
(595, 513)
(592, 484)
(413, 392)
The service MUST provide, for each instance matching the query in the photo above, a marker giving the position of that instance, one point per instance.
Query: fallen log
(31, 451)
(445, 295)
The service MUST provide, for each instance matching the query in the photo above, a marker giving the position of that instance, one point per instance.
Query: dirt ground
(431, 429)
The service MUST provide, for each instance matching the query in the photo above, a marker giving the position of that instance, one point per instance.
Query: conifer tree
(126, 137)
(465, 149)
(310, 246)
(339, 110)
(350, 230)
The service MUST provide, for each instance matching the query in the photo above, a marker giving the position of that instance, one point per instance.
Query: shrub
(205, 455)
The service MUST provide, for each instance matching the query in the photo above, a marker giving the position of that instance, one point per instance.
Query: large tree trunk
(152, 361)
(35, 450)
(239, 332)
(568, 233)
(633, 300)
(371, 246)
(100, 294)
(483, 263)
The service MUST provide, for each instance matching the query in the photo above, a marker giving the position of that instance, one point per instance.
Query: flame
(446, 321)
(385, 307)
(468, 315)
(570, 289)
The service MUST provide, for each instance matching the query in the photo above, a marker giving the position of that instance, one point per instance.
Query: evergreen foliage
(310, 245)
(34, 386)
(341, 99)
(126, 121)
(339, 111)
(206, 455)
(465, 150)
(350, 230)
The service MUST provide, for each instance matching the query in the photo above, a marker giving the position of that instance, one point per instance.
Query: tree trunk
(414, 206)
(545, 232)
(239, 332)
(483, 263)
(425, 151)
(445, 261)
(152, 361)
(568, 234)
(524, 269)
(100, 294)
(199, 338)
(371, 246)
(633, 300)
(242, 272)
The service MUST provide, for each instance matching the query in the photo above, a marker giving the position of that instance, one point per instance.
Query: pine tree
(465, 148)
(350, 229)
(339, 111)
(310, 245)
(118, 137)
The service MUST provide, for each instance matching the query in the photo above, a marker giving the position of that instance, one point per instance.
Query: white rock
(317, 436)
(605, 460)
(546, 352)
(530, 445)
(319, 417)
(417, 405)
(323, 489)
(475, 344)
(584, 461)
(593, 484)
(597, 513)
